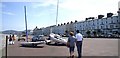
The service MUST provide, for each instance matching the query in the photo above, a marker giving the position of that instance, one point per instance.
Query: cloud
(2, 5)
(68, 4)
(8, 13)
(38, 15)
(22, 0)
(119, 4)
(75, 4)
(44, 3)
(83, 4)
(19, 1)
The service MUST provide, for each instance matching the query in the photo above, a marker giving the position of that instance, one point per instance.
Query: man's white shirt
(79, 37)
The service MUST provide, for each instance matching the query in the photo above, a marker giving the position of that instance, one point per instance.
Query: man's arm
(76, 37)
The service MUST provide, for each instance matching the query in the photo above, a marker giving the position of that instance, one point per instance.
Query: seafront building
(101, 26)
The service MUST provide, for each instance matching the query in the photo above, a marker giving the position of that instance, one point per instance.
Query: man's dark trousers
(79, 48)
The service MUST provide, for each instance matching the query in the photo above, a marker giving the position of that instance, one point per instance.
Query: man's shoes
(72, 56)
(78, 57)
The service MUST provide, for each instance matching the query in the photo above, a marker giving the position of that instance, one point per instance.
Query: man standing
(79, 38)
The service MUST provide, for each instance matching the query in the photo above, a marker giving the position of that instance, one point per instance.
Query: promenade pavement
(91, 47)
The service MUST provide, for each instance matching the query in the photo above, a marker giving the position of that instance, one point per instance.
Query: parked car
(38, 38)
(22, 37)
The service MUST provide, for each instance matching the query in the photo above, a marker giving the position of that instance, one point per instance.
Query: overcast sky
(42, 13)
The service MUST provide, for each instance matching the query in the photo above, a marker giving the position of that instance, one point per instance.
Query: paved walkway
(91, 47)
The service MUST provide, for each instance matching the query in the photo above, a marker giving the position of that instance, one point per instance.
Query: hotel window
(111, 26)
(117, 21)
(93, 24)
(90, 27)
(101, 27)
(97, 27)
(117, 16)
(106, 26)
(101, 23)
(106, 21)
(111, 21)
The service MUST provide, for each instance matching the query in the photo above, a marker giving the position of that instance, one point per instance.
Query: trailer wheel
(18, 39)
(48, 43)
(56, 43)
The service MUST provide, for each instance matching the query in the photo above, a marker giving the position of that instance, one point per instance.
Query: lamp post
(6, 45)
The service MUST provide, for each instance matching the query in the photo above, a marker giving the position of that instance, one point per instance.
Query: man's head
(77, 31)
(71, 33)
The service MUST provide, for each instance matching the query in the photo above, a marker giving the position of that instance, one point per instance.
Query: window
(101, 27)
(111, 21)
(97, 27)
(93, 24)
(106, 26)
(117, 16)
(106, 21)
(101, 23)
(117, 21)
(111, 26)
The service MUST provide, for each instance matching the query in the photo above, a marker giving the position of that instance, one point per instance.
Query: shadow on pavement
(56, 44)
(32, 46)
(60, 57)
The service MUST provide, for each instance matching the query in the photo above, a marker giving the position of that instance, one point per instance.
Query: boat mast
(26, 23)
(57, 12)
(56, 15)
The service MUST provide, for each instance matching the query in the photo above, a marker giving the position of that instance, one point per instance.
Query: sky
(42, 13)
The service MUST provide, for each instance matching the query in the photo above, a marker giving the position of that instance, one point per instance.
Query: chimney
(100, 16)
(109, 15)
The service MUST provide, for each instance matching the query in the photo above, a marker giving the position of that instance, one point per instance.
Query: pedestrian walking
(71, 44)
(13, 39)
(10, 40)
(79, 38)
